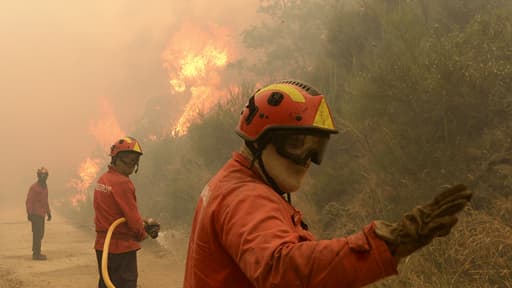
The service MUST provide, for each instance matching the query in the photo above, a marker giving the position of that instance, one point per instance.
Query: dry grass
(478, 253)
(502, 209)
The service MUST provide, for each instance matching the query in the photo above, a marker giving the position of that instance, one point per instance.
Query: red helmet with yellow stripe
(125, 144)
(285, 105)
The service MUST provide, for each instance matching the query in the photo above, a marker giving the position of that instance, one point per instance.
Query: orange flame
(106, 130)
(87, 172)
(194, 67)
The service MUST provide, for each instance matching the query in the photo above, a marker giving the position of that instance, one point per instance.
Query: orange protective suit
(114, 197)
(245, 235)
(37, 200)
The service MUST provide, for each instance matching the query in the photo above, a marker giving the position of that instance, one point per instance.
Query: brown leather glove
(425, 222)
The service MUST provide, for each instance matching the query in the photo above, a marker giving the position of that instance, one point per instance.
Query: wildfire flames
(105, 130)
(194, 59)
(87, 172)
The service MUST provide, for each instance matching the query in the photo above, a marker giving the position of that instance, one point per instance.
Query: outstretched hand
(425, 222)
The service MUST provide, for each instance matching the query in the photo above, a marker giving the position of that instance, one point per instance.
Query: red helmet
(285, 105)
(125, 144)
(42, 170)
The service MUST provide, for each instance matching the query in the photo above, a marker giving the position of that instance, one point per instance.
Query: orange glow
(194, 59)
(87, 172)
(195, 65)
(106, 130)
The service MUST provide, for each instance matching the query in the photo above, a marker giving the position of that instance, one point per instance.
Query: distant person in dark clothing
(37, 208)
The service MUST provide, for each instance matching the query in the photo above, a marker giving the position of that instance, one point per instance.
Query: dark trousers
(37, 233)
(122, 269)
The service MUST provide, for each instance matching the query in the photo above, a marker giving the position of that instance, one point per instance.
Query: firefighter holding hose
(115, 204)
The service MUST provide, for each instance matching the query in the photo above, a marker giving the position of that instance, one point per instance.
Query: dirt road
(71, 258)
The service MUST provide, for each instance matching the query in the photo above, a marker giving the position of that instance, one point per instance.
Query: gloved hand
(152, 227)
(29, 217)
(49, 217)
(425, 222)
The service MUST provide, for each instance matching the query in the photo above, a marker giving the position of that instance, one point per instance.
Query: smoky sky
(61, 59)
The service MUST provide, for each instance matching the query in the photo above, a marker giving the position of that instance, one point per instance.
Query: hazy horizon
(69, 65)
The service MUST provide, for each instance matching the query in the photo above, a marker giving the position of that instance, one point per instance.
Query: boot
(39, 256)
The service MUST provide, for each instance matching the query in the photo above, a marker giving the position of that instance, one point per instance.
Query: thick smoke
(62, 59)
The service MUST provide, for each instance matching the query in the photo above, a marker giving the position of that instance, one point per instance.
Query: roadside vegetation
(421, 93)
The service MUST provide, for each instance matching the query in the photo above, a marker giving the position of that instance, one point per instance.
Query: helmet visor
(129, 158)
(301, 147)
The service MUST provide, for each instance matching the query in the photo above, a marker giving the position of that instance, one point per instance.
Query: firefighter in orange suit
(245, 233)
(114, 197)
(37, 209)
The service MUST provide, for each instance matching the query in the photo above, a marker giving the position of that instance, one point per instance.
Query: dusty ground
(71, 258)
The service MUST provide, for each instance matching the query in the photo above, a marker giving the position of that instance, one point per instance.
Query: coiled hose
(104, 256)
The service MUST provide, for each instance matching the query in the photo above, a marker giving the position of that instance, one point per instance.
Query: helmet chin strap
(256, 152)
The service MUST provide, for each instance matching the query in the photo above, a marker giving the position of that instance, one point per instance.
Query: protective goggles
(129, 162)
(300, 148)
